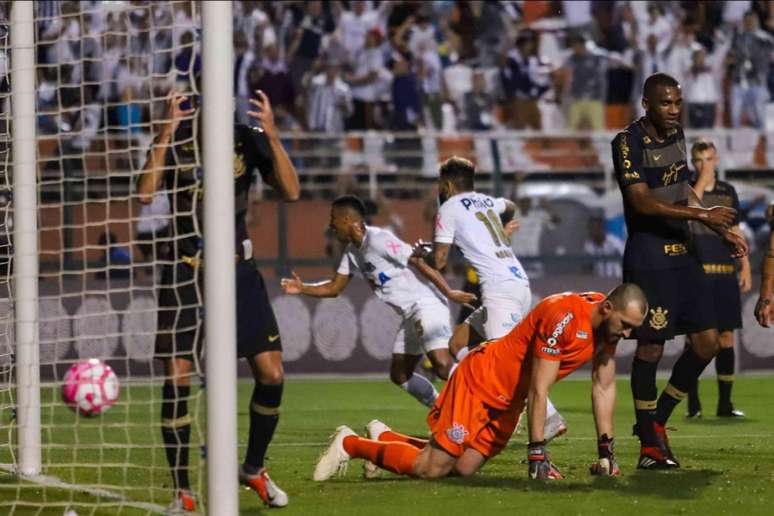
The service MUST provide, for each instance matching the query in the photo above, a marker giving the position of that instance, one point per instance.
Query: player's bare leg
(724, 366)
(402, 374)
(176, 429)
(463, 340)
(264, 415)
(442, 362)
(469, 463)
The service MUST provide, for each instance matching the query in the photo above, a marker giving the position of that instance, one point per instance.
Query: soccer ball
(90, 387)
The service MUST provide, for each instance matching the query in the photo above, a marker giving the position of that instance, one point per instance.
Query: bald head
(625, 294)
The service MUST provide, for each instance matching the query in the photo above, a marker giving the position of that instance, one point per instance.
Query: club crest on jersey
(456, 433)
(560, 329)
(477, 203)
(658, 318)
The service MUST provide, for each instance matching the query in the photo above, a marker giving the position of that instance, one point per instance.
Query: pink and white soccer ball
(90, 387)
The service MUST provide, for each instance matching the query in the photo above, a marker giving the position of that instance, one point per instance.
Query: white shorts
(501, 310)
(428, 328)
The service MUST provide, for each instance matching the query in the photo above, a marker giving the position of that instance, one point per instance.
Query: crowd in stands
(404, 65)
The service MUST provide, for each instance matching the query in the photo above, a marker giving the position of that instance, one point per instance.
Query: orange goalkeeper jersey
(558, 328)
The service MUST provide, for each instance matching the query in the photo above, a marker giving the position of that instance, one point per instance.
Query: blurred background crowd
(399, 65)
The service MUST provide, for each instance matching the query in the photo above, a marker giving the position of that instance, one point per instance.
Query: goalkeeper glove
(606, 465)
(540, 466)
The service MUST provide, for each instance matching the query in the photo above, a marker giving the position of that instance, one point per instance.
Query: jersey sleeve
(500, 205)
(444, 225)
(344, 266)
(555, 332)
(627, 160)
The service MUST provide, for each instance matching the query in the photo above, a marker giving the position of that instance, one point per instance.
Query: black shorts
(727, 300)
(680, 302)
(181, 320)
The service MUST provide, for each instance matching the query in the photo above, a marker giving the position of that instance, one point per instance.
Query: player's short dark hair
(702, 145)
(351, 202)
(626, 293)
(658, 80)
(459, 171)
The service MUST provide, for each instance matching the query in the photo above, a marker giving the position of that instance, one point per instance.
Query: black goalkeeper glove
(606, 465)
(540, 466)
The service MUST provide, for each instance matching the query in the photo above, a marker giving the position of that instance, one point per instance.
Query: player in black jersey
(651, 169)
(172, 166)
(764, 308)
(721, 271)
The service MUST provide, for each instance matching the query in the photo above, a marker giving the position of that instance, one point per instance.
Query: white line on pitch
(50, 481)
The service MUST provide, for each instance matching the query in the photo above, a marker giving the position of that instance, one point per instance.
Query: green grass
(728, 466)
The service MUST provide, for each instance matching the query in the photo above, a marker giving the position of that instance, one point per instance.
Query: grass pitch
(728, 465)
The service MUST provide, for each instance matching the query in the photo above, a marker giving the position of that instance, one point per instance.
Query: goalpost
(80, 260)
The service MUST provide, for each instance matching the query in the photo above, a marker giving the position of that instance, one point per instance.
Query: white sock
(462, 353)
(421, 388)
(550, 409)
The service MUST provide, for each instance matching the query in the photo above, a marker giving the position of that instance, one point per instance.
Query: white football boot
(334, 460)
(554, 427)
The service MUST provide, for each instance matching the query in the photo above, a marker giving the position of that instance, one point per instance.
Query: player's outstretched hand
(511, 227)
(421, 249)
(764, 310)
(175, 113)
(292, 285)
(263, 114)
(606, 465)
(721, 216)
(738, 244)
(540, 466)
(463, 298)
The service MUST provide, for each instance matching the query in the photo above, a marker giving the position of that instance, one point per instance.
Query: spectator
(606, 248)
(429, 71)
(585, 75)
(523, 81)
(243, 60)
(307, 41)
(750, 59)
(406, 105)
(479, 105)
(330, 100)
(353, 26)
(188, 62)
(533, 219)
(276, 83)
(367, 82)
(702, 88)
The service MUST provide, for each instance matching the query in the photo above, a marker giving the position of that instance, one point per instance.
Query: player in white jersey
(383, 260)
(473, 222)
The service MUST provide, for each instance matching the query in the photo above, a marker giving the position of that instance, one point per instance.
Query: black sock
(724, 365)
(644, 392)
(694, 403)
(684, 375)
(176, 431)
(264, 415)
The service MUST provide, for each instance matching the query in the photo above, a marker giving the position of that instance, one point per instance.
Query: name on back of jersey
(478, 204)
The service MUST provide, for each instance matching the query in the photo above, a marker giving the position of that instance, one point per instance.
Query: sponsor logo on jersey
(549, 351)
(581, 335)
(560, 329)
(477, 203)
(456, 433)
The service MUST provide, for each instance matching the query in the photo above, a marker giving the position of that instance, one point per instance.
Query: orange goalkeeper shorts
(459, 420)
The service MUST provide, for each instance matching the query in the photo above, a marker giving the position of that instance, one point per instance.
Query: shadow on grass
(678, 484)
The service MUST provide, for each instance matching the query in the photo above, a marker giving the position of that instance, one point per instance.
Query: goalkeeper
(476, 412)
(172, 166)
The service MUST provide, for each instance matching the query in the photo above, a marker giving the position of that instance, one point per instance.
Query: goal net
(103, 74)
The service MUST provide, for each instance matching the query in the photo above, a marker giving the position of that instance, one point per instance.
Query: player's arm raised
(437, 279)
(285, 178)
(328, 288)
(603, 406)
(153, 169)
(544, 374)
